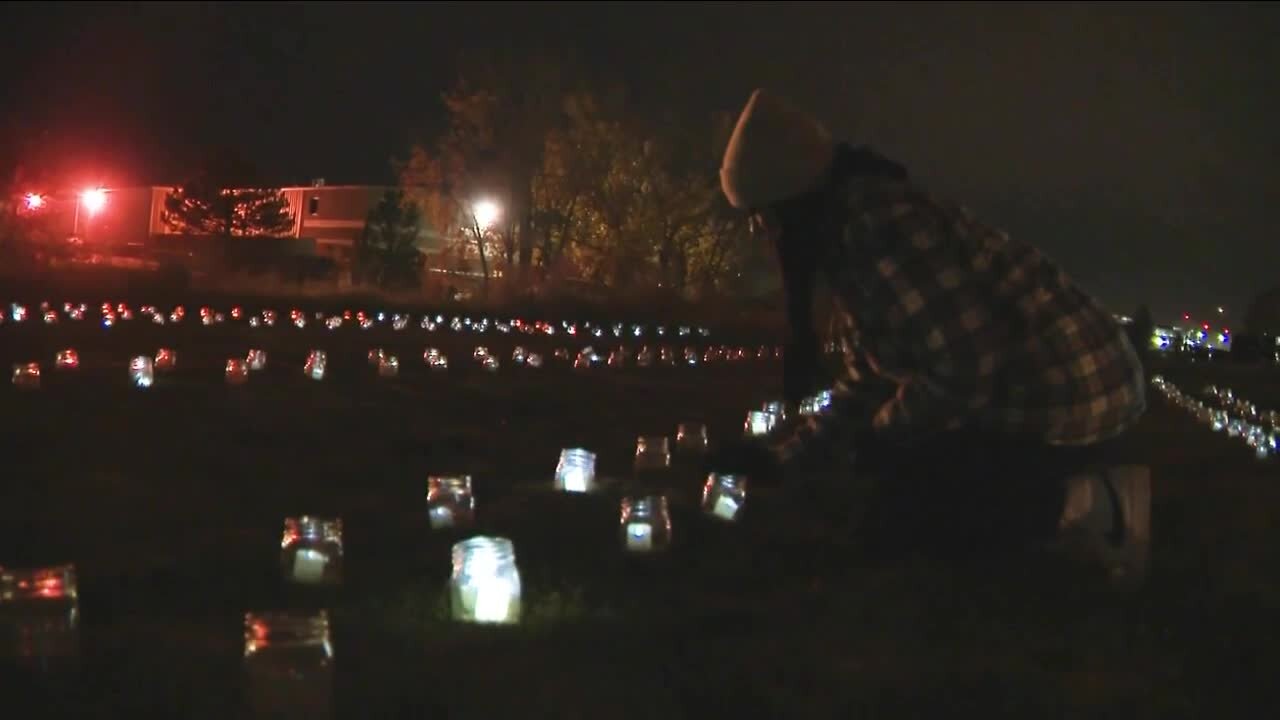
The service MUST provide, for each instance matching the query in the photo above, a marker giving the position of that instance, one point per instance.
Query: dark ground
(170, 503)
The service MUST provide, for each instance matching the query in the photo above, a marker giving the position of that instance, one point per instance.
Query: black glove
(745, 457)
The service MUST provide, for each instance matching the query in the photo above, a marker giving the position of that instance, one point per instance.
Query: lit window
(313, 207)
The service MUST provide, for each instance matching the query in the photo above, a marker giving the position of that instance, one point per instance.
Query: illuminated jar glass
(576, 471)
(288, 664)
(691, 437)
(375, 356)
(27, 376)
(645, 524)
(142, 371)
(256, 360)
(237, 372)
(776, 408)
(389, 366)
(316, 361)
(485, 586)
(67, 360)
(653, 452)
(311, 550)
(166, 360)
(39, 617)
(759, 423)
(724, 495)
(450, 502)
(533, 360)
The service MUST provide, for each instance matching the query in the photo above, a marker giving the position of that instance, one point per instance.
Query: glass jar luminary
(51, 317)
(254, 321)
(269, 318)
(724, 495)
(518, 355)
(759, 423)
(166, 360)
(691, 438)
(653, 454)
(776, 408)
(27, 376)
(389, 366)
(490, 363)
(576, 471)
(311, 550)
(316, 362)
(39, 617)
(399, 322)
(375, 356)
(142, 371)
(288, 662)
(67, 360)
(237, 372)
(645, 524)
(366, 324)
(450, 502)
(533, 360)
(485, 586)
(690, 356)
(256, 360)
(644, 358)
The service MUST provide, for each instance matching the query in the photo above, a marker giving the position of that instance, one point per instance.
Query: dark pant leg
(967, 493)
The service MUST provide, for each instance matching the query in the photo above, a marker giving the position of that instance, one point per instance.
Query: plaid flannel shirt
(947, 324)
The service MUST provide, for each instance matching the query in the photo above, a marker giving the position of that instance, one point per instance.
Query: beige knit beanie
(776, 152)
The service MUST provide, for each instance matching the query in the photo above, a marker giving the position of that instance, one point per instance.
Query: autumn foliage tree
(222, 200)
(589, 188)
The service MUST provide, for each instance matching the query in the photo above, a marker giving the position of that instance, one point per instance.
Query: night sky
(1136, 143)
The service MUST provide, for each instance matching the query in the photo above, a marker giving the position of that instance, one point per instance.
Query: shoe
(1116, 531)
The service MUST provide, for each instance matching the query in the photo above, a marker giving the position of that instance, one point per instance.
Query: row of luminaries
(120, 312)
(1225, 412)
(142, 368)
(289, 654)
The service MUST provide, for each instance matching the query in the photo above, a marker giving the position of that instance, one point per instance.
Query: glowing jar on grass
(311, 550)
(759, 423)
(256, 360)
(776, 408)
(67, 360)
(576, 471)
(39, 617)
(26, 376)
(450, 502)
(724, 495)
(435, 359)
(389, 367)
(485, 586)
(645, 524)
(316, 362)
(237, 372)
(166, 360)
(533, 360)
(691, 438)
(288, 662)
(653, 459)
(142, 371)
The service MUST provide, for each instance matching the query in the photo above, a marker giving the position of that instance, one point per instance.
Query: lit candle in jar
(311, 550)
(485, 586)
(141, 371)
(39, 617)
(67, 360)
(450, 502)
(576, 471)
(645, 524)
(27, 376)
(288, 659)
(166, 360)
(237, 372)
(388, 366)
(256, 360)
(691, 437)
(759, 423)
(724, 495)
(316, 361)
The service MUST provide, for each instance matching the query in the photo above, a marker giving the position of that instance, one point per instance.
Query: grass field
(170, 502)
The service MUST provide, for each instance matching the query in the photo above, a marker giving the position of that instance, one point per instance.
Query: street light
(93, 199)
(486, 213)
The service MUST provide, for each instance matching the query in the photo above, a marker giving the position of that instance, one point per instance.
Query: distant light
(1219, 310)
(94, 199)
(34, 201)
(486, 213)
(1186, 316)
